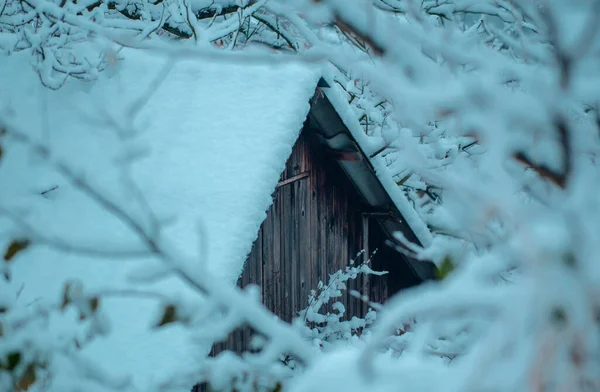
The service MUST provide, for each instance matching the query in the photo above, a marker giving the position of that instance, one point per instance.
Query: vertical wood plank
(303, 244)
(276, 277)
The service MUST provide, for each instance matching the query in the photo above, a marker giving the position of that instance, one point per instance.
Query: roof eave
(332, 131)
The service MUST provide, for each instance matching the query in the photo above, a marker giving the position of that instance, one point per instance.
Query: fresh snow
(385, 177)
(205, 143)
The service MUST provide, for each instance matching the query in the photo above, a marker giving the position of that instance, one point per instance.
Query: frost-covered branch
(327, 328)
(59, 34)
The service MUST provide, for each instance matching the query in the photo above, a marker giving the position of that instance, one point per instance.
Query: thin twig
(61, 245)
(86, 188)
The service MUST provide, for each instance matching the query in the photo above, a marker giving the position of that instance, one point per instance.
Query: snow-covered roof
(367, 147)
(208, 141)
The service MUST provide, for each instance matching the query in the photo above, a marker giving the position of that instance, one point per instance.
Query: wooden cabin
(328, 206)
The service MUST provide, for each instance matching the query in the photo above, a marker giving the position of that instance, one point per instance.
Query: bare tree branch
(65, 246)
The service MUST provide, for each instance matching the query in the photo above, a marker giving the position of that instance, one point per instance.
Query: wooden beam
(293, 179)
(387, 215)
(365, 232)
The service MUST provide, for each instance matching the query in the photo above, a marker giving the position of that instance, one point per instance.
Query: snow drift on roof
(208, 142)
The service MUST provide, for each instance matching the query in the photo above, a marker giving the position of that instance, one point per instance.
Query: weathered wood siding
(313, 229)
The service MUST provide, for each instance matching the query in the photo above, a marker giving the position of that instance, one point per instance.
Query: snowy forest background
(486, 112)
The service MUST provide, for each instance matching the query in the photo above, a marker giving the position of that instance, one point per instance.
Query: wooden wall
(313, 229)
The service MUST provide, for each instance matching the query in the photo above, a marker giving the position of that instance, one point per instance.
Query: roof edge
(378, 190)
